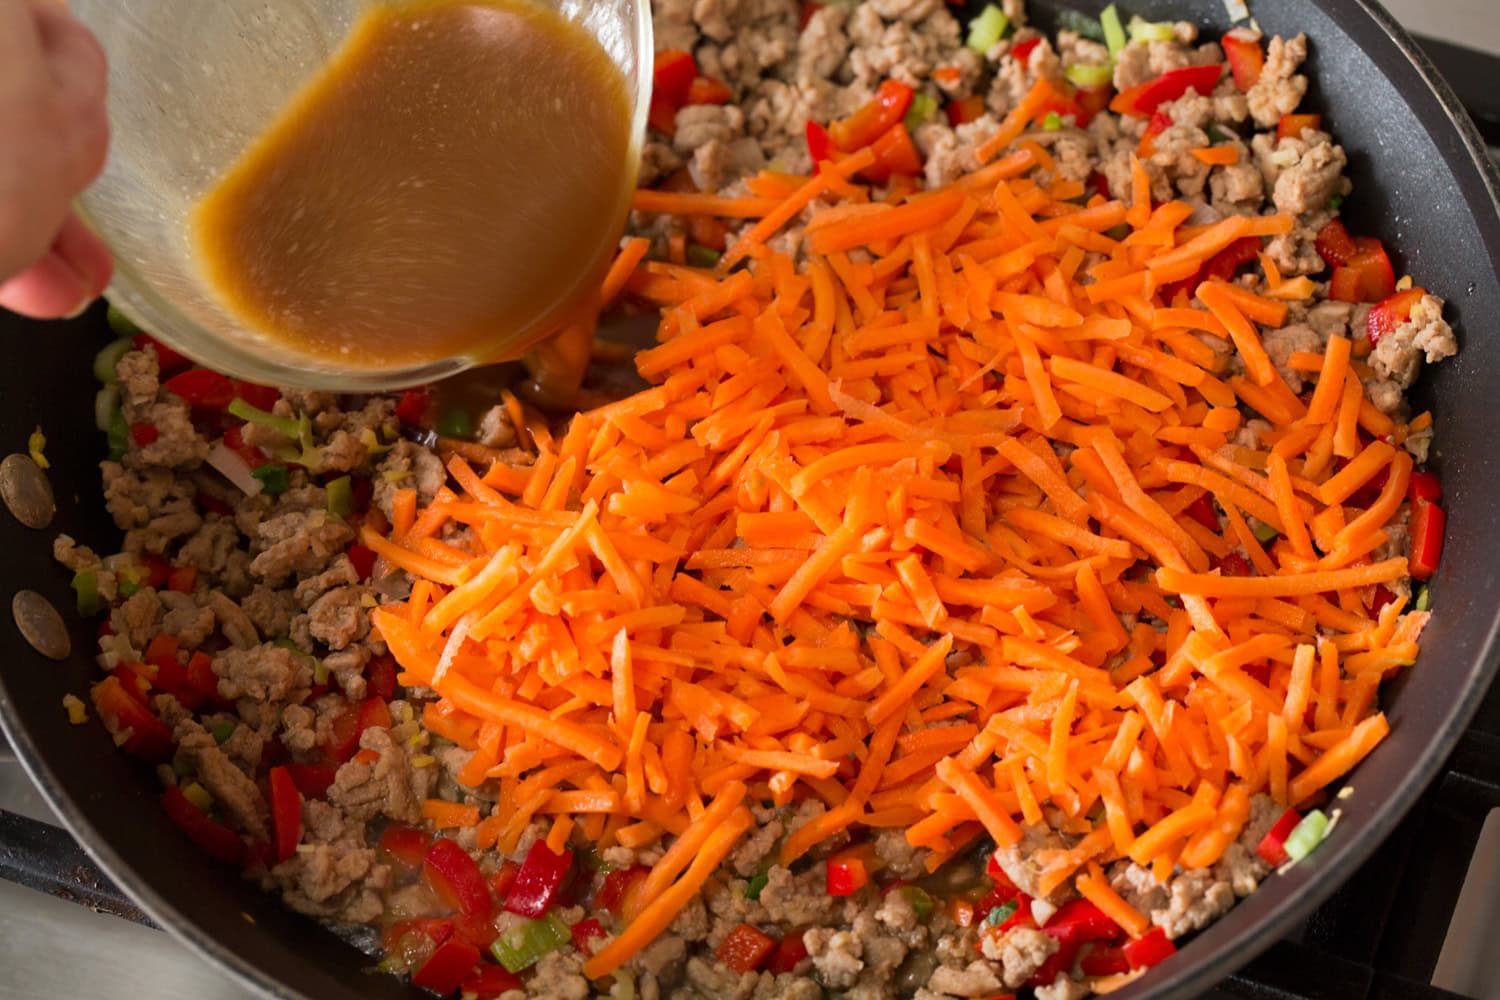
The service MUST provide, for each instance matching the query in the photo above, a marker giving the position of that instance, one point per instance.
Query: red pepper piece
(965, 110)
(144, 434)
(537, 883)
(313, 780)
(134, 678)
(363, 560)
(477, 931)
(1427, 523)
(488, 982)
(1292, 126)
(214, 839)
(1334, 244)
(1366, 277)
(849, 871)
(447, 968)
(380, 677)
(149, 737)
(707, 90)
(619, 885)
(504, 878)
(182, 579)
(585, 931)
(1226, 262)
(286, 813)
(874, 119)
(405, 846)
(1150, 949)
(1079, 920)
(1100, 184)
(234, 440)
(1143, 99)
(674, 73)
(373, 714)
(894, 154)
(1272, 847)
(200, 674)
(1104, 960)
(1246, 57)
(1159, 123)
(201, 388)
(343, 736)
(1380, 599)
(1022, 50)
(262, 397)
(662, 116)
(819, 145)
(413, 405)
(745, 949)
(1092, 101)
(456, 879)
(1202, 511)
(998, 896)
(1425, 486)
(167, 360)
(430, 931)
(1391, 312)
(789, 953)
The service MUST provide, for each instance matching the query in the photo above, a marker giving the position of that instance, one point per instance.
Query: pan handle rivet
(41, 625)
(26, 491)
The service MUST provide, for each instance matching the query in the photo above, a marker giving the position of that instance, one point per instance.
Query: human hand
(54, 132)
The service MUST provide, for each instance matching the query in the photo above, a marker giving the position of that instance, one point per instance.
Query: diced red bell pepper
(457, 880)
(380, 678)
(996, 872)
(789, 953)
(619, 886)
(413, 405)
(158, 570)
(1427, 523)
(1022, 50)
(446, 968)
(149, 738)
(745, 949)
(1334, 244)
(432, 931)
(1079, 920)
(134, 679)
(200, 674)
(262, 397)
(965, 110)
(488, 982)
(167, 360)
(162, 649)
(1143, 99)
(1100, 184)
(1202, 511)
(404, 846)
(538, 882)
(673, 75)
(374, 714)
(183, 579)
(998, 896)
(234, 440)
(819, 144)
(1425, 486)
(503, 878)
(1366, 277)
(214, 839)
(806, 12)
(313, 780)
(1226, 262)
(1092, 101)
(286, 813)
(849, 871)
(585, 931)
(662, 115)
(477, 931)
(874, 119)
(1391, 312)
(1272, 847)
(1246, 57)
(204, 389)
(1152, 948)
(1380, 599)
(144, 434)
(1159, 123)
(895, 154)
(1292, 126)
(363, 560)
(1104, 960)
(707, 90)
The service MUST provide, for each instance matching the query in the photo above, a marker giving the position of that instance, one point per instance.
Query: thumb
(73, 272)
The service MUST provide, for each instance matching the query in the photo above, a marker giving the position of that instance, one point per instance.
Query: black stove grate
(1377, 938)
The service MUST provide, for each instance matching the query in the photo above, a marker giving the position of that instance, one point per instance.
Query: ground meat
(1280, 87)
(340, 880)
(233, 790)
(1196, 898)
(1063, 987)
(1018, 861)
(822, 46)
(977, 980)
(901, 859)
(382, 788)
(136, 619)
(1020, 952)
(298, 542)
(137, 373)
(233, 622)
(298, 732)
(339, 617)
(407, 465)
(835, 954)
(1311, 177)
(270, 610)
(1282, 343)
(756, 846)
(267, 673)
(134, 496)
(1138, 886)
(1238, 189)
(1398, 355)
(347, 669)
(658, 160)
(798, 899)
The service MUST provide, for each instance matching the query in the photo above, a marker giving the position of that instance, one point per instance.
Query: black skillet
(1421, 183)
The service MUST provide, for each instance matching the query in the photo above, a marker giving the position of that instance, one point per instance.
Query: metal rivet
(26, 491)
(41, 625)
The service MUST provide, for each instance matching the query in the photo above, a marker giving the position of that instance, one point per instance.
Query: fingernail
(82, 308)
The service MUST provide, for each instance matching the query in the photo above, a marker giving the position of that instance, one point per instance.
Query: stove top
(1416, 923)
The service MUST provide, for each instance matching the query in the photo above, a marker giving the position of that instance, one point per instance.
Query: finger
(78, 68)
(73, 273)
(20, 48)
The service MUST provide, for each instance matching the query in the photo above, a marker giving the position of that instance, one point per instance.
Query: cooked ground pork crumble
(271, 593)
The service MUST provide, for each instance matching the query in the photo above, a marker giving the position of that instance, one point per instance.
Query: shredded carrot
(1223, 155)
(868, 538)
(446, 815)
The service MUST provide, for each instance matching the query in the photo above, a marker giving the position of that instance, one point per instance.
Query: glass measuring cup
(192, 85)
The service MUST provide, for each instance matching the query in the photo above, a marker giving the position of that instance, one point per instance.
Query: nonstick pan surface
(1421, 183)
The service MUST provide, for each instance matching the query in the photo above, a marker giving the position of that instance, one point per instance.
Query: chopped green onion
(118, 436)
(1217, 135)
(1306, 835)
(699, 256)
(222, 731)
(1002, 913)
(130, 579)
(755, 885)
(1052, 123)
(287, 427)
(1080, 24)
(919, 900)
(987, 29)
(524, 944)
(1264, 533)
(274, 478)
(1142, 30)
(923, 107)
(1114, 32)
(36, 447)
(372, 443)
(1335, 202)
(1424, 599)
(299, 430)
(456, 423)
(86, 587)
(106, 405)
(1087, 75)
(198, 795)
(340, 496)
(105, 360)
(120, 323)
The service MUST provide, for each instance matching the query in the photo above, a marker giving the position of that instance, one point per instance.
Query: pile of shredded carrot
(878, 534)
